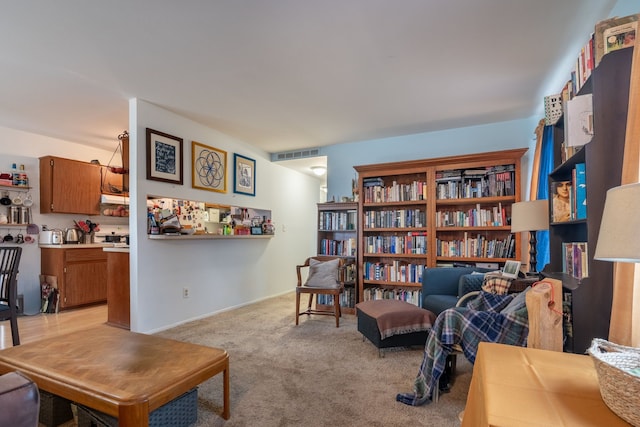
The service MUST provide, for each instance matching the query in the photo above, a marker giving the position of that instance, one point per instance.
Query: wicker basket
(619, 388)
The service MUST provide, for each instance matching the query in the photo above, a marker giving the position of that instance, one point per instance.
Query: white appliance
(112, 199)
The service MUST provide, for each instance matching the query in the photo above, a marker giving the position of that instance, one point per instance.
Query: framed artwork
(511, 269)
(208, 168)
(164, 157)
(244, 175)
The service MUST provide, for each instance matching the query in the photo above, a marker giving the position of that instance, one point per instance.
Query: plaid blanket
(480, 320)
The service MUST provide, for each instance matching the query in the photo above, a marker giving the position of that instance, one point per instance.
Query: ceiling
(285, 74)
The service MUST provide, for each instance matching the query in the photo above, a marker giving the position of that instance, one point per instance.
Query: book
(561, 206)
(620, 37)
(579, 127)
(608, 25)
(581, 191)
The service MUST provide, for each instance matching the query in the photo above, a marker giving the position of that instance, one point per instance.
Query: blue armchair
(443, 286)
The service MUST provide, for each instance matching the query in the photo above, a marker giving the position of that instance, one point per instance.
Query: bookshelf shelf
(476, 185)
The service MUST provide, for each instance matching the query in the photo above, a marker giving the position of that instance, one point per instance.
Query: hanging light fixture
(319, 170)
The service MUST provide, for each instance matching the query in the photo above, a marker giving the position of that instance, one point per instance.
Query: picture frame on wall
(244, 175)
(208, 168)
(164, 157)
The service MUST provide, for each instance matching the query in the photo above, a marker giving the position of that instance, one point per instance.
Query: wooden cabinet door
(69, 186)
(85, 283)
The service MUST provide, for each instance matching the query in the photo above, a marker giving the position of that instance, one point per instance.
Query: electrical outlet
(185, 292)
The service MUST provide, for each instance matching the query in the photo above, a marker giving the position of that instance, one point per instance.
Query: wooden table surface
(118, 372)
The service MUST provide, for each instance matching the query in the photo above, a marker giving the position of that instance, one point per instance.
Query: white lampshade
(530, 216)
(619, 237)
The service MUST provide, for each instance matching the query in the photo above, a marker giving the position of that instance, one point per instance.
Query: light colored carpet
(313, 374)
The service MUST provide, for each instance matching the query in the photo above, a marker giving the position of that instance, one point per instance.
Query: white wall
(220, 273)
(475, 139)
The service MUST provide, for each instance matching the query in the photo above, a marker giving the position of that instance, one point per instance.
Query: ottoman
(393, 323)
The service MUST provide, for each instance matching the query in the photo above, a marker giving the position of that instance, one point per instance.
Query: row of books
(347, 298)
(575, 259)
(570, 197)
(345, 247)
(396, 271)
(412, 243)
(376, 192)
(336, 221)
(495, 181)
(410, 296)
(478, 217)
(476, 247)
(397, 218)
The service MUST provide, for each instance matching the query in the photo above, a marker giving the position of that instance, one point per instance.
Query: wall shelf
(208, 236)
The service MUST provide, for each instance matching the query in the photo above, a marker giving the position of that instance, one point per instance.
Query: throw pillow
(520, 301)
(323, 274)
(470, 282)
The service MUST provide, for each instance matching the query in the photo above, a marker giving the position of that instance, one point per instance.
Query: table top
(105, 366)
(523, 386)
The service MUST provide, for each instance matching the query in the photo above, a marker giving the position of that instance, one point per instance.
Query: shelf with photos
(179, 219)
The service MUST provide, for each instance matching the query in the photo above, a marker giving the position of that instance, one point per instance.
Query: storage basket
(619, 388)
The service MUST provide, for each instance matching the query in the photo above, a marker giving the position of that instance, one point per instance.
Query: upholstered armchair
(443, 286)
(19, 401)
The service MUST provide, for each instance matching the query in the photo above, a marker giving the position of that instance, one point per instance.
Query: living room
(227, 275)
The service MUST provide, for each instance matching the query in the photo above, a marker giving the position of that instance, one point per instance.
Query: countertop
(87, 246)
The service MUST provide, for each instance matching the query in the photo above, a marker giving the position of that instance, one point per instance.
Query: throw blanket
(395, 317)
(480, 320)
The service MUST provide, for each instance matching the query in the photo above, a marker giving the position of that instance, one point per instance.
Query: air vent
(298, 154)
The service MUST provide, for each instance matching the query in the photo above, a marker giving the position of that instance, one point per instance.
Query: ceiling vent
(293, 155)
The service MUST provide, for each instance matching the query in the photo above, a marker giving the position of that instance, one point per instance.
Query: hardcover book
(581, 191)
(609, 25)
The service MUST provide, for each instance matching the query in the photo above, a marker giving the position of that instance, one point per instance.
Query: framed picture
(208, 168)
(164, 157)
(511, 269)
(244, 175)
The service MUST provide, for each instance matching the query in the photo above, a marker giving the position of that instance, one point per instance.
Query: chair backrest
(9, 262)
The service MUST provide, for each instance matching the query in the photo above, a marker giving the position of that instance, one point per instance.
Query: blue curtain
(546, 166)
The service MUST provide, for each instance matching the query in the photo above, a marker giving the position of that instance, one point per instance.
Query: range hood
(112, 199)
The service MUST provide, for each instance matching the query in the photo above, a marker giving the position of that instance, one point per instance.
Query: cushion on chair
(323, 274)
(470, 282)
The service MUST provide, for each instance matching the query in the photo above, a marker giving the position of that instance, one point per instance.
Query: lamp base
(533, 242)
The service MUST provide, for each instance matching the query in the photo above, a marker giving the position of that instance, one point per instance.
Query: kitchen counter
(78, 246)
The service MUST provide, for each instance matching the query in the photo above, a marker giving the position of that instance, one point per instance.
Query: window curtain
(542, 166)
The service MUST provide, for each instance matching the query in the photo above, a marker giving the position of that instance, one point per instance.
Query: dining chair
(9, 262)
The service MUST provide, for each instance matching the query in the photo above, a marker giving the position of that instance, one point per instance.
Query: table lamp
(618, 239)
(530, 216)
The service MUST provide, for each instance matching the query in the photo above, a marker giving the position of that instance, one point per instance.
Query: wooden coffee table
(121, 373)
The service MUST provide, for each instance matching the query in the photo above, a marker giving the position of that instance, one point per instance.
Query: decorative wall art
(164, 157)
(244, 175)
(209, 168)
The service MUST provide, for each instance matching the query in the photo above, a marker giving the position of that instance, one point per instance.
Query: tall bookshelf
(337, 236)
(589, 298)
(434, 212)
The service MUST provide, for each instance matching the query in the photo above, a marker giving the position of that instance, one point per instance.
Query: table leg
(226, 412)
(133, 415)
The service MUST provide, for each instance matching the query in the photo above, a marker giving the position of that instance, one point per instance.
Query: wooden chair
(334, 287)
(9, 261)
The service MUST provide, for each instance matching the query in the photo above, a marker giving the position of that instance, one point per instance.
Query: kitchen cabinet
(69, 186)
(81, 273)
(118, 296)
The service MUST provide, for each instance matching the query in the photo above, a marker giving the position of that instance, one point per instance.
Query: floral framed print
(244, 175)
(208, 168)
(164, 157)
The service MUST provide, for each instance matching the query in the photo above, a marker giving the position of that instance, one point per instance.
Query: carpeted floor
(313, 374)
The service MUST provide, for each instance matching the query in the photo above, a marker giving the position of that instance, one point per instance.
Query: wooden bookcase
(590, 298)
(337, 236)
(425, 213)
